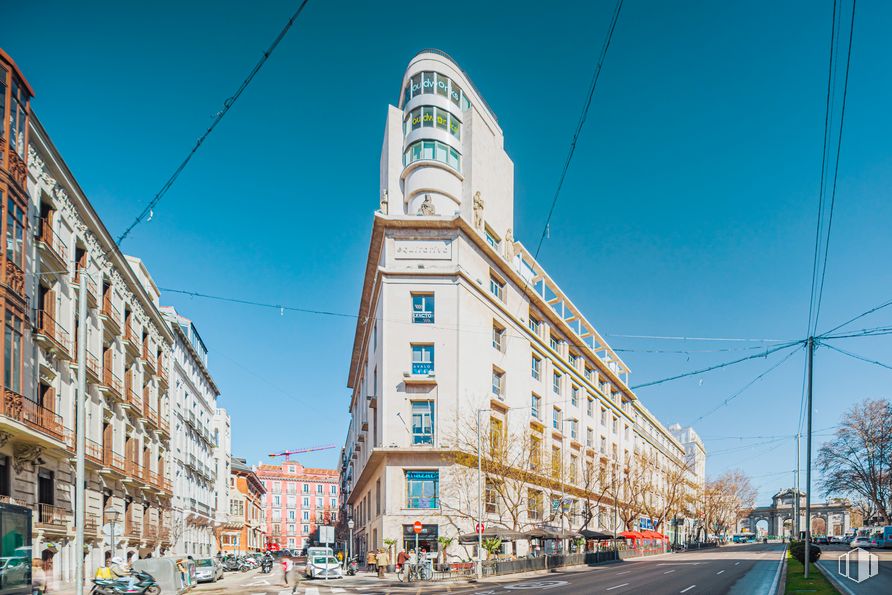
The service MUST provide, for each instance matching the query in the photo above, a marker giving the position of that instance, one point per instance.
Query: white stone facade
(127, 436)
(455, 317)
(192, 412)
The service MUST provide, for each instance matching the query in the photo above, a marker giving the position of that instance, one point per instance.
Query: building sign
(424, 249)
(423, 308)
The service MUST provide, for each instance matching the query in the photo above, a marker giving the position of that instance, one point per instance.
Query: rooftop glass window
(430, 150)
(434, 82)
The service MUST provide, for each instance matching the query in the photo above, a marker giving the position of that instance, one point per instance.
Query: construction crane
(288, 453)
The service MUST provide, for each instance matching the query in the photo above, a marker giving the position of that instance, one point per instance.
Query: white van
(319, 551)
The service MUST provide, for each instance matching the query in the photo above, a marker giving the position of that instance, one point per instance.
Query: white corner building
(193, 440)
(457, 316)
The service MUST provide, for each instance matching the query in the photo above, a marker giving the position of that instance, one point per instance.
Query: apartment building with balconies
(298, 501)
(244, 531)
(459, 325)
(55, 241)
(222, 461)
(193, 398)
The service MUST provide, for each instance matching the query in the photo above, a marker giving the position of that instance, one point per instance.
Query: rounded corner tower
(436, 134)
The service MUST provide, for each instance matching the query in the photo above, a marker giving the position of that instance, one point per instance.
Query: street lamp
(350, 525)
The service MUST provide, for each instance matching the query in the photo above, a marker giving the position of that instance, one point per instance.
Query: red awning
(632, 535)
(653, 535)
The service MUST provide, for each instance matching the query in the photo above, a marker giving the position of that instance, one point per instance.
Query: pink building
(298, 500)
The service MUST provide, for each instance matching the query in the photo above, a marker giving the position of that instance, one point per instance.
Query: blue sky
(689, 208)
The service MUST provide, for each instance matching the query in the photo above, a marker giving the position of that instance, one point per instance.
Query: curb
(779, 586)
(834, 580)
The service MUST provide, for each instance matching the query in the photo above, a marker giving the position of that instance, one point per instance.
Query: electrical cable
(591, 91)
(858, 357)
(217, 118)
(746, 386)
(766, 353)
(858, 317)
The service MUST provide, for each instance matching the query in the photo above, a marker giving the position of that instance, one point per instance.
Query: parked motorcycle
(352, 567)
(145, 584)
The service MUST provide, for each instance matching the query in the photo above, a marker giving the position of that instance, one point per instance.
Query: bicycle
(418, 571)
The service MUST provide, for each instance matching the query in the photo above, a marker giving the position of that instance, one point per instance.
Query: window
(18, 95)
(535, 404)
(556, 383)
(603, 416)
(13, 353)
(306, 502)
(306, 488)
(498, 338)
(277, 501)
(534, 325)
(589, 438)
(318, 502)
(556, 462)
(536, 368)
(423, 489)
(556, 419)
(422, 359)
(534, 505)
(573, 360)
(422, 422)
(497, 287)
(603, 445)
(555, 343)
(15, 222)
(588, 373)
(431, 150)
(333, 490)
(492, 239)
(319, 489)
(535, 452)
(291, 515)
(431, 82)
(306, 529)
(626, 432)
(574, 396)
(615, 425)
(498, 383)
(306, 515)
(332, 502)
(491, 496)
(590, 406)
(574, 434)
(574, 464)
(422, 308)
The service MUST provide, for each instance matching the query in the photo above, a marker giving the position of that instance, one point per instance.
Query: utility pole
(479, 501)
(810, 344)
(796, 502)
(80, 422)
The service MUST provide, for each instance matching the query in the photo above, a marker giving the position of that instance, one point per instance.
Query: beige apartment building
(458, 321)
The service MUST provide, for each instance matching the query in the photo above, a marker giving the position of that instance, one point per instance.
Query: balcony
(163, 424)
(150, 531)
(93, 451)
(15, 278)
(110, 316)
(93, 369)
(192, 421)
(163, 382)
(112, 385)
(51, 336)
(17, 408)
(113, 462)
(135, 472)
(131, 340)
(148, 358)
(150, 416)
(52, 520)
(92, 292)
(132, 529)
(51, 248)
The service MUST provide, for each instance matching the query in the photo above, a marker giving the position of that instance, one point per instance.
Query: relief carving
(478, 210)
(427, 206)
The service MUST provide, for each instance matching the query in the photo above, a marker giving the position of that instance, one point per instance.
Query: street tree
(857, 462)
(724, 500)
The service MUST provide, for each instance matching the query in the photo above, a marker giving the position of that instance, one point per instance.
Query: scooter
(145, 585)
(352, 567)
(266, 566)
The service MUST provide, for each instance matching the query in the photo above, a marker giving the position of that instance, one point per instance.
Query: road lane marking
(720, 571)
(668, 571)
(615, 587)
(688, 589)
(623, 572)
(736, 563)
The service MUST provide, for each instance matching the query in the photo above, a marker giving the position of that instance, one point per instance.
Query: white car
(207, 570)
(862, 541)
(323, 567)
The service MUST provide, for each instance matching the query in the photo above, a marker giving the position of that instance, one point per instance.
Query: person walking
(38, 577)
(401, 558)
(383, 561)
(370, 560)
(287, 565)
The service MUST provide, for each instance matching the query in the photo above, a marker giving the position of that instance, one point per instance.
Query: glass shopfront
(427, 539)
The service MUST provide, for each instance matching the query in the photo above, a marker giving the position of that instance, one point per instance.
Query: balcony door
(108, 436)
(47, 397)
(45, 487)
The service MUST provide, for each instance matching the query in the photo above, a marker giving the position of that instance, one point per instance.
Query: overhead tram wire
(885, 304)
(230, 101)
(766, 353)
(858, 357)
(588, 102)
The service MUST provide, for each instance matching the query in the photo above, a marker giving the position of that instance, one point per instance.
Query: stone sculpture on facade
(427, 206)
(478, 211)
(384, 201)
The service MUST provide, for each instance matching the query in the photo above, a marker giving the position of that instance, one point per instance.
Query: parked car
(208, 570)
(323, 567)
(862, 541)
(823, 540)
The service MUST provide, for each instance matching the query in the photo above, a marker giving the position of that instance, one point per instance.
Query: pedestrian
(370, 560)
(287, 565)
(383, 561)
(38, 577)
(401, 558)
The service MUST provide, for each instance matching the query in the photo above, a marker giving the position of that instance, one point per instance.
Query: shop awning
(589, 534)
(632, 535)
(545, 533)
(653, 535)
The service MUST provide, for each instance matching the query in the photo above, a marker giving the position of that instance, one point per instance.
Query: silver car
(208, 570)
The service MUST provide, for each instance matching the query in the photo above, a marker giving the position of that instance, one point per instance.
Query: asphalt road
(737, 569)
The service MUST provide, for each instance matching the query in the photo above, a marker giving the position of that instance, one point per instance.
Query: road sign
(480, 527)
(417, 527)
(326, 534)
